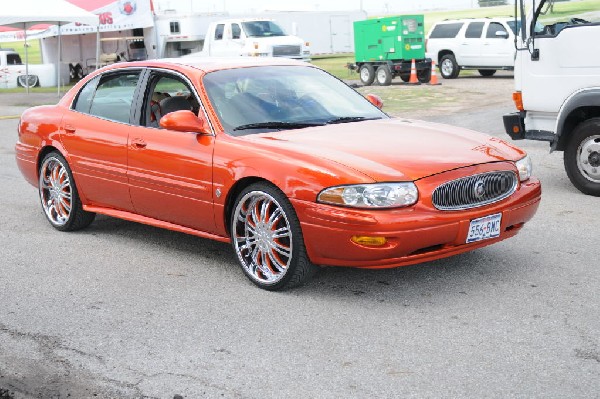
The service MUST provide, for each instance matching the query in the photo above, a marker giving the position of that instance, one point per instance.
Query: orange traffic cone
(433, 81)
(413, 74)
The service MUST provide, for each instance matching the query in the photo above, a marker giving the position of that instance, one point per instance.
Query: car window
(494, 28)
(446, 31)
(86, 94)
(167, 93)
(474, 30)
(114, 95)
(236, 31)
(219, 31)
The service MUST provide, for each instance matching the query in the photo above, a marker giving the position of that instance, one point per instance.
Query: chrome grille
(286, 51)
(474, 191)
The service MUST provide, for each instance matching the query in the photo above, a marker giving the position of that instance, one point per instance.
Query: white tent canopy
(26, 13)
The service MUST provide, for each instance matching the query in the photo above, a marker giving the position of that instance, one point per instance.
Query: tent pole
(97, 45)
(58, 63)
(26, 60)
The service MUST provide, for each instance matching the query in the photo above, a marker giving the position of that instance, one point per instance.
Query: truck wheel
(582, 157)
(424, 75)
(405, 77)
(487, 72)
(448, 67)
(27, 81)
(367, 74)
(384, 76)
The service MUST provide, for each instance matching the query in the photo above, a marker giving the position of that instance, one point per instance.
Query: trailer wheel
(449, 69)
(384, 76)
(367, 74)
(424, 75)
(582, 157)
(405, 77)
(487, 72)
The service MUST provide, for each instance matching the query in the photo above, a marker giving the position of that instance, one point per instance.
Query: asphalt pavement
(123, 310)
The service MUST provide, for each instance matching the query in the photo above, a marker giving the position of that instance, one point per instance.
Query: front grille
(474, 191)
(286, 51)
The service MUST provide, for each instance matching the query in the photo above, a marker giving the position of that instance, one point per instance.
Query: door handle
(69, 129)
(138, 143)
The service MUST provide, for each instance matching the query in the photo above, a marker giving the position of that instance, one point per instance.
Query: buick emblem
(479, 189)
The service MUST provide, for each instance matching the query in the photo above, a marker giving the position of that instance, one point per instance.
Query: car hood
(393, 149)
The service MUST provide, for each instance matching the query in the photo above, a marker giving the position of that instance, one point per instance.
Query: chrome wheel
(55, 191)
(447, 67)
(262, 237)
(588, 158)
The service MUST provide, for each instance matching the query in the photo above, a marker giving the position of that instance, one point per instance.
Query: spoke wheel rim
(262, 237)
(588, 158)
(447, 67)
(55, 191)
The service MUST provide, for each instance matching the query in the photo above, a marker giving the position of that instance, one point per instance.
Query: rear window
(474, 30)
(446, 31)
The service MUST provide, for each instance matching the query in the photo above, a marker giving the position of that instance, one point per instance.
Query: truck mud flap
(514, 125)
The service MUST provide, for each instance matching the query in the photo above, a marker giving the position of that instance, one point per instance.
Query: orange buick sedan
(289, 164)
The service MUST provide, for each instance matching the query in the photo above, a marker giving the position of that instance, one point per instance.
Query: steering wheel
(578, 21)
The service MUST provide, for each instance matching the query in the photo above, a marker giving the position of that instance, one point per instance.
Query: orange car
(288, 163)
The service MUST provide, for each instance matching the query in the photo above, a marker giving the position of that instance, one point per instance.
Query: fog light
(369, 241)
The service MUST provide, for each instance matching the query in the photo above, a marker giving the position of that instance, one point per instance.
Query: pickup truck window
(262, 29)
(13, 59)
(219, 31)
(474, 30)
(236, 31)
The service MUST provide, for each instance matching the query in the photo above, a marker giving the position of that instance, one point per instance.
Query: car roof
(447, 21)
(210, 64)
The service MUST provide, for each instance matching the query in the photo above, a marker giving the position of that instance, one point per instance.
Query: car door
(471, 46)
(95, 135)
(170, 172)
(498, 48)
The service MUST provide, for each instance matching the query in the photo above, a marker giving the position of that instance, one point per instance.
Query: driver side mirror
(185, 121)
(375, 100)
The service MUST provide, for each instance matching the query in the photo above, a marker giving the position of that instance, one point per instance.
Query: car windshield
(262, 29)
(260, 99)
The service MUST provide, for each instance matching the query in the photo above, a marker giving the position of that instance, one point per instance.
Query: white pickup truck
(252, 38)
(557, 82)
(13, 72)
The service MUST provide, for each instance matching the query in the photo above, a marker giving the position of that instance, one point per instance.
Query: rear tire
(367, 74)
(267, 239)
(582, 157)
(449, 69)
(59, 197)
(424, 75)
(487, 72)
(384, 76)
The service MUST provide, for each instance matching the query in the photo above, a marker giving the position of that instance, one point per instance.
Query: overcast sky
(371, 6)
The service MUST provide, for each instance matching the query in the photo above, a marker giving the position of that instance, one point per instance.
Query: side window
(219, 31)
(446, 31)
(474, 30)
(167, 93)
(494, 28)
(114, 96)
(174, 27)
(85, 96)
(236, 31)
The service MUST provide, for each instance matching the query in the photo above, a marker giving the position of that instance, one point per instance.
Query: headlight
(524, 167)
(378, 195)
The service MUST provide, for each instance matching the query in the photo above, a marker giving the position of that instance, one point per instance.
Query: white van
(485, 44)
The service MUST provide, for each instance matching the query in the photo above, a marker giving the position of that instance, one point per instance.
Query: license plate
(484, 228)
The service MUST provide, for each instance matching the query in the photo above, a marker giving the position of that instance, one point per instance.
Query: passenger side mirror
(375, 100)
(502, 34)
(185, 121)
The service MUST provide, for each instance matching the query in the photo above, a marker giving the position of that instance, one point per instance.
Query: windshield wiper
(277, 125)
(346, 119)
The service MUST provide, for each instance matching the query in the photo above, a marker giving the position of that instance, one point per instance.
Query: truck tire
(384, 76)
(487, 72)
(449, 69)
(367, 74)
(424, 75)
(582, 157)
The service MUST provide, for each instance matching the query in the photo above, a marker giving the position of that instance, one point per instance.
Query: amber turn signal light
(369, 241)
(518, 99)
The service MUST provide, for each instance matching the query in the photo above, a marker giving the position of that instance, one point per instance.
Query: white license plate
(484, 228)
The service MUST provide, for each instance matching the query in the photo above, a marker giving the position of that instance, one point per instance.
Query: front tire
(449, 69)
(267, 239)
(367, 74)
(59, 196)
(582, 157)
